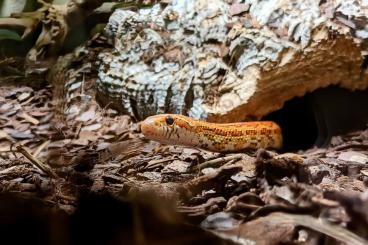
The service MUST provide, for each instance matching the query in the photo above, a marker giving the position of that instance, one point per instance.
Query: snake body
(181, 130)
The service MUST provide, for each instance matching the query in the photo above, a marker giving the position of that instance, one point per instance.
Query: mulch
(100, 167)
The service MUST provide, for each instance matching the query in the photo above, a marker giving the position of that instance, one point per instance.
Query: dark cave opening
(312, 120)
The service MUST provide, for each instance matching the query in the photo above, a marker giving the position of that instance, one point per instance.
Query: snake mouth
(146, 127)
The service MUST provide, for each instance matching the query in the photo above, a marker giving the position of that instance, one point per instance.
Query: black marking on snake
(177, 132)
(169, 132)
(166, 132)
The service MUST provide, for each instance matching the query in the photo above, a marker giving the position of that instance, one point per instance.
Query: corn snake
(230, 137)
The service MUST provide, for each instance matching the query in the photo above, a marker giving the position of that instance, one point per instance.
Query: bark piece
(196, 58)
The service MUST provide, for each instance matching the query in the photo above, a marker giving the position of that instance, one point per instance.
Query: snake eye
(169, 120)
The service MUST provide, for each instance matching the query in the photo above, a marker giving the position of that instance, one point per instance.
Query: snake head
(166, 128)
(158, 127)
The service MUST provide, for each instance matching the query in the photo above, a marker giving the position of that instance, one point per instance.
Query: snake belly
(221, 137)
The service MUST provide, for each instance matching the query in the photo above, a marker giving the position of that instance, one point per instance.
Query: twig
(216, 161)
(349, 145)
(41, 147)
(28, 24)
(43, 167)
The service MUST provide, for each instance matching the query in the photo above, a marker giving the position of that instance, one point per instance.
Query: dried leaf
(86, 116)
(9, 34)
(4, 135)
(24, 96)
(28, 118)
(220, 221)
(177, 166)
(21, 134)
(92, 127)
(353, 156)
